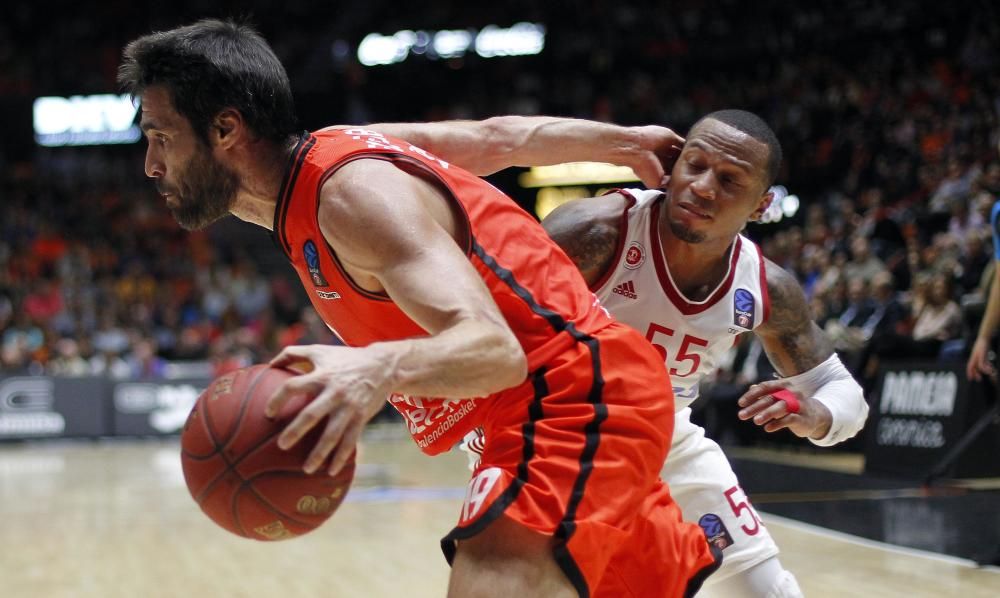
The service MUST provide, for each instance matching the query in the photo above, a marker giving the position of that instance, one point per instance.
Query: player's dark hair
(754, 126)
(210, 66)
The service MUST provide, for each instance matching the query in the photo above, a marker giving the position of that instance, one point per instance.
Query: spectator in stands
(847, 330)
(888, 319)
(864, 264)
(67, 360)
(143, 362)
(976, 256)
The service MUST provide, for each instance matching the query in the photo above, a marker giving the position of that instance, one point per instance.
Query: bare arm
(979, 362)
(792, 341)
(388, 231)
(487, 146)
(588, 230)
(831, 403)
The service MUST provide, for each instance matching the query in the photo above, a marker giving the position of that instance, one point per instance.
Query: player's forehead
(727, 143)
(157, 110)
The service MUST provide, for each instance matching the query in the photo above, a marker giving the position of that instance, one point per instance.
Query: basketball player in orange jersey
(674, 265)
(452, 300)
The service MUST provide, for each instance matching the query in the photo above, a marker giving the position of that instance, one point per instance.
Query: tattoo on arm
(589, 239)
(792, 341)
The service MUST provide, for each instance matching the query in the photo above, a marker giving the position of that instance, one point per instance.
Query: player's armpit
(588, 231)
(792, 341)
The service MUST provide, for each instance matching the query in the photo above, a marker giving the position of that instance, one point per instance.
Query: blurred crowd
(103, 282)
(887, 112)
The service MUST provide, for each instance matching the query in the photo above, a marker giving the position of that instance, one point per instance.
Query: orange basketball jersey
(538, 289)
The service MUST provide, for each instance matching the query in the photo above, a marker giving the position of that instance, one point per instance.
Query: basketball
(235, 470)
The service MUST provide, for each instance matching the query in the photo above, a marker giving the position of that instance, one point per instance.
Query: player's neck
(696, 268)
(260, 183)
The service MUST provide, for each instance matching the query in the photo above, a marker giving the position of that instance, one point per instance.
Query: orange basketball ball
(235, 470)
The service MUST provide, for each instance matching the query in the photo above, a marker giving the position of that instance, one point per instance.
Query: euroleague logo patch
(715, 531)
(635, 255)
(743, 308)
(311, 254)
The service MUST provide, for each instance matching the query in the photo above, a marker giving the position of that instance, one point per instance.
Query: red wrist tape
(791, 401)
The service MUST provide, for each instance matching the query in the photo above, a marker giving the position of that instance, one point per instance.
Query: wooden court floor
(114, 519)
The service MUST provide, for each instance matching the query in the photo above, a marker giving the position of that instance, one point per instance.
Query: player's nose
(154, 164)
(704, 185)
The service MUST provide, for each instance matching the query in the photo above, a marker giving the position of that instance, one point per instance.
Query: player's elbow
(511, 364)
(498, 139)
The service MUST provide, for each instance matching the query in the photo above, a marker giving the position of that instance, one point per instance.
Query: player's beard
(680, 230)
(205, 192)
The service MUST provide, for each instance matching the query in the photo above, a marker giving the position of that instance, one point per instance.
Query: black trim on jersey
(557, 322)
(592, 436)
(535, 413)
(292, 169)
(592, 433)
(694, 584)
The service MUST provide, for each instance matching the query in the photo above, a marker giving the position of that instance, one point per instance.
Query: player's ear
(763, 204)
(227, 127)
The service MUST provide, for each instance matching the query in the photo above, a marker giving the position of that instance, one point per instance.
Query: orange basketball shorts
(576, 454)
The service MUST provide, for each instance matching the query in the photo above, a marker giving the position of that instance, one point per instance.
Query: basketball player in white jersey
(673, 264)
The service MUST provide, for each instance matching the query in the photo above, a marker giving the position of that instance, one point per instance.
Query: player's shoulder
(363, 198)
(780, 281)
(579, 215)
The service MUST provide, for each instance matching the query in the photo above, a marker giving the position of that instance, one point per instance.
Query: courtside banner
(918, 412)
(153, 408)
(46, 407)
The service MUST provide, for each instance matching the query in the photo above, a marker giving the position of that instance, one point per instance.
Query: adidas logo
(626, 289)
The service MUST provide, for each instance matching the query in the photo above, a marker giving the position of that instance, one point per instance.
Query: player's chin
(687, 231)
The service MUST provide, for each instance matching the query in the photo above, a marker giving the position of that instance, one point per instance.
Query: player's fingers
(777, 410)
(345, 448)
(327, 442)
(650, 171)
(974, 367)
(306, 420)
(756, 407)
(759, 390)
(296, 385)
(669, 156)
(292, 354)
(972, 370)
(985, 367)
(789, 421)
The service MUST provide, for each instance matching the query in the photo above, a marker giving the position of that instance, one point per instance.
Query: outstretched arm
(832, 407)
(486, 146)
(379, 221)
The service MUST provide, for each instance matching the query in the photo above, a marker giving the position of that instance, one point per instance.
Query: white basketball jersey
(690, 335)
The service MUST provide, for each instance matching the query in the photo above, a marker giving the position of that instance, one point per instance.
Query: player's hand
(812, 421)
(654, 154)
(346, 384)
(979, 361)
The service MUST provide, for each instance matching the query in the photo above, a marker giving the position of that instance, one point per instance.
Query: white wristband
(831, 384)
